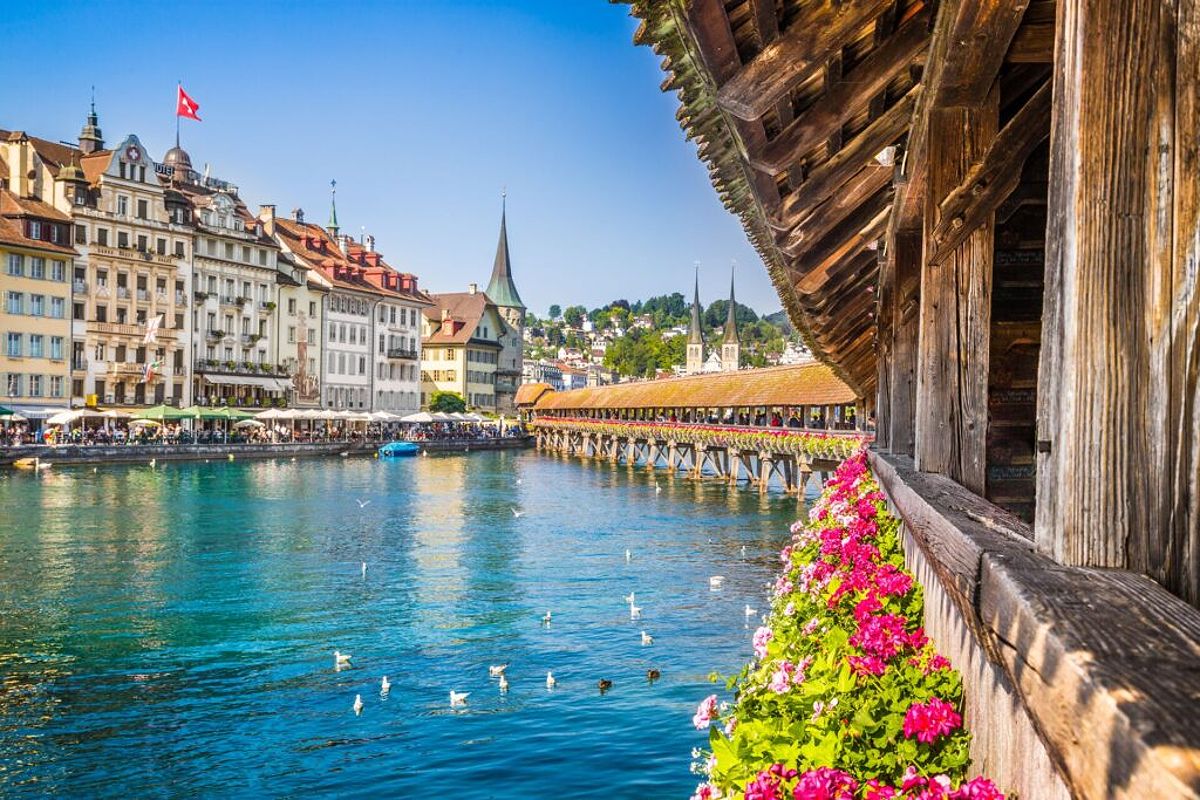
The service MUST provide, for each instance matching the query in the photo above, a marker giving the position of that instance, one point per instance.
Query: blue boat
(398, 449)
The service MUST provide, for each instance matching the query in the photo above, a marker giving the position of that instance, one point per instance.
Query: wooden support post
(765, 467)
(905, 307)
(672, 456)
(955, 321)
(1118, 472)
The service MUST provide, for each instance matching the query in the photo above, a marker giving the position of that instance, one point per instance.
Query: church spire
(501, 289)
(333, 223)
(731, 332)
(90, 138)
(696, 333)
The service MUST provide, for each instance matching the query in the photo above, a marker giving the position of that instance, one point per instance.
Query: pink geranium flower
(761, 637)
(705, 712)
(930, 721)
(825, 783)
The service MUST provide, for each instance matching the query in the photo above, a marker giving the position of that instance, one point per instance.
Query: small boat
(398, 449)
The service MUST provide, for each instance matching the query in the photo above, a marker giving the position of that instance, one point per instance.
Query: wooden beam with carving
(847, 97)
(825, 179)
(992, 179)
(821, 27)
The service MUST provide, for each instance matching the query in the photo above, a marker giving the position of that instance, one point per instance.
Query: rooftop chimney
(370, 240)
(298, 214)
(445, 314)
(472, 288)
(266, 214)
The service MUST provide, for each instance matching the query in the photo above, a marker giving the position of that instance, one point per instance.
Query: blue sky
(422, 111)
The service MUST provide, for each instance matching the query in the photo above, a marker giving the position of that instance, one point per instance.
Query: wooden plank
(992, 178)
(885, 336)
(864, 185)
(861, 238)
(979, 36)
(886, 130)
(1033, 44)
(955, 319)
(846, 97)
(861, 217)
(821, 27)
(905, 314)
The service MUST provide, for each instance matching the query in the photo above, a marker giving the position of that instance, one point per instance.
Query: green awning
(6, 412)
(164, 412)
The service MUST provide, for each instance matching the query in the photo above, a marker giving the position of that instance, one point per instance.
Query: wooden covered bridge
(765, 427)
(984, 216)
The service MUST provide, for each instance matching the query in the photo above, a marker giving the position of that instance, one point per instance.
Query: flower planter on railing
(846, 698)
(813, 444)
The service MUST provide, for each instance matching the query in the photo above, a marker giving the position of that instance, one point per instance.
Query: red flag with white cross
(185, 106)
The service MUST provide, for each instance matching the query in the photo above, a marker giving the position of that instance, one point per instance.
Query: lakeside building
(235, 296)
(134, 242)
(299, 320)
(371, 318)
(502, 291)
(37, 294)
(461, 345)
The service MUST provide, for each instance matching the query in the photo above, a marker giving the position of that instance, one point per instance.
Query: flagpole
(178, 87)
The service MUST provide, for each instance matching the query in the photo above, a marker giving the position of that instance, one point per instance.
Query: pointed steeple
(501, 289)
(696, 333)
(731, 332)
(90, 138)
(333, 223)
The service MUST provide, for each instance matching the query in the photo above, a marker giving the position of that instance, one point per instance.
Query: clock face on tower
(132, 153)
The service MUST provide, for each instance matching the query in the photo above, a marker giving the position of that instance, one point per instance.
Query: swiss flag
(186, 106)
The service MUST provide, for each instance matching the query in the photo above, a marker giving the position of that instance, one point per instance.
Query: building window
(291, 305)
(37, 268)
(179, 250)
(16, 303)
(160, 246)
(58, 271)
(14, 384)
(57, 307)
(80, 233)
(37, 305)
(362, 365)
(35, 229)
(56, 386)
(142, 209)
(15, 345)
(122, 206)
(142, 243)
(78, 310)
(16, 265)
(35, 385)
(37, 345)
(291, 334)
(312, 336)
(312, 308)
(56, 348)
(333, 332)
(102, 237)
(122, 240)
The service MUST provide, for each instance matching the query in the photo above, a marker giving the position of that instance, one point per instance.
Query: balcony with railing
(80, 287)
(122, 292)
(409, 353)
(143, 295)
(241, 368)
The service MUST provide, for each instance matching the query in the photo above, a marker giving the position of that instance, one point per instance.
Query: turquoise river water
(169, 631)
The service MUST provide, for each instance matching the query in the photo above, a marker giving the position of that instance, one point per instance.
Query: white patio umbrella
(439, 416)
(249, 423)
(64, 418)
(420, 417)
(272, 413)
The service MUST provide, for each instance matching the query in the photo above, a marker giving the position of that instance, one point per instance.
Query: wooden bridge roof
(812, 117)
(529, 393)
(810, 384)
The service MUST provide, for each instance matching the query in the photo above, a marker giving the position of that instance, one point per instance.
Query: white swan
(497, 670)
(716, 581)
(647, 638)
(750, 612)
(458, 698)
(628, 555)
(546, 619)
(550, 681)
(341, 659)
(153, 462)
(385, 685)
(657, 488)
(358, 704)
(635, 612)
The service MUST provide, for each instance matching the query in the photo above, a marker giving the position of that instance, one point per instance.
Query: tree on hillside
(673, 305)
(555, 311)
(573, 316)
(447, 402)
(714, 315)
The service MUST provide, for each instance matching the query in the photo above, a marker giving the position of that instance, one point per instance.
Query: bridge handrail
(796, 441)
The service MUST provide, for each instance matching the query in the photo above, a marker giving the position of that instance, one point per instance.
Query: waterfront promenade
(98, 454)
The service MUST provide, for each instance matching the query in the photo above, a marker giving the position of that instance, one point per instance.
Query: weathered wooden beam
(847, 97)
(906, 253)
(862, 238)
(1118, 454)
(821, 27)
(955, 319)
(825, 179)
(1033, 44)
(992, 178)
(861, 217)
(849, 196)
(979, 35)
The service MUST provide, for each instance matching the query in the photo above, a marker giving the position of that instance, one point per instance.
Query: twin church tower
(730, 354)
